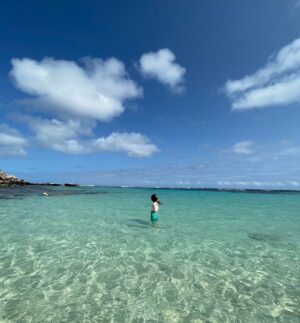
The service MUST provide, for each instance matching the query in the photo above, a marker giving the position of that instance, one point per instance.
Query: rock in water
(264, 236)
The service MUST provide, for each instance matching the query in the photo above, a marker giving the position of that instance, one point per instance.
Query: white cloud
(296, 5)
(255, 159)
(12, 143)
(253, 184)
(78, 97)
(96, 90)
(265, 184)
(226, 183)
(294, 183)
(180, 183)
(241, 183)
(243, 147)
(59, 135)
(278, 83)
(134, 144)
(291, 151)
(66, 136)
(161, 66)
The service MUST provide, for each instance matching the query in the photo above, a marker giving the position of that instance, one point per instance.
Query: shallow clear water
(90, 255)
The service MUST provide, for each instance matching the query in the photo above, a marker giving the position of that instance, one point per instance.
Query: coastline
(7, 180)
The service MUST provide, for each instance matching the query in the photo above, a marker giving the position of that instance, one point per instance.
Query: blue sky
(151, 93)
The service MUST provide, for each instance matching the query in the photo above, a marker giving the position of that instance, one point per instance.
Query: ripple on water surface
(214, 257)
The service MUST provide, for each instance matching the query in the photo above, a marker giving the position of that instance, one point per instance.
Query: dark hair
(154, 198)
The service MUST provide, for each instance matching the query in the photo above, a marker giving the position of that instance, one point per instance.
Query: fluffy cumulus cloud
(59, 135)
(76, 137)
(161, 66)
(95, 90)
(277, 83)
(243, 147)
(134, 144)
(78, 96)
(12, 143)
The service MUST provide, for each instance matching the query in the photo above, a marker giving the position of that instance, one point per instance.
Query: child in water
(154, 208)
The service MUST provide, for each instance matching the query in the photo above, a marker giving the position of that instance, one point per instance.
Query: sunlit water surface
(91, 255)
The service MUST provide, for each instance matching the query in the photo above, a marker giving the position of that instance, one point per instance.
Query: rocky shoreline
(11, 180)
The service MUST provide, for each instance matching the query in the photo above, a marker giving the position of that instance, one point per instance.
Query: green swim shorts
(154, 216)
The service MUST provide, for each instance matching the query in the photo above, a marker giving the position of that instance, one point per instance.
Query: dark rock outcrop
(11, 180)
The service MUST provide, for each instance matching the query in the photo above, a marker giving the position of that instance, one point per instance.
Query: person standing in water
(154, 208)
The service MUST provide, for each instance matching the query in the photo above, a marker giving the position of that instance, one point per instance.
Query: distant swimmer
(154, 208)
(45, 194)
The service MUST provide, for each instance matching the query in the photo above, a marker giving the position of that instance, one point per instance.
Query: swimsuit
(154, 216)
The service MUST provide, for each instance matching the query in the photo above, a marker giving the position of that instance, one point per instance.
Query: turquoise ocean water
(90, 255)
